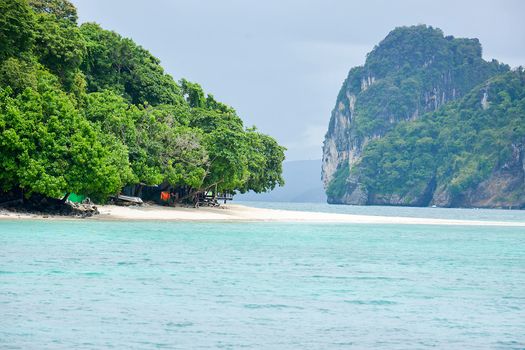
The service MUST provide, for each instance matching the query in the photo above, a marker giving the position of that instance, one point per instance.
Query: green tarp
(76, 198)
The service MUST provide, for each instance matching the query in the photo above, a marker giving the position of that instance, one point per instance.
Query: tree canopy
(16, 28)
(61, 9)
(84, 110)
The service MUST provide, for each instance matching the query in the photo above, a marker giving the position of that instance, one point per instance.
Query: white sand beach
(241, 213)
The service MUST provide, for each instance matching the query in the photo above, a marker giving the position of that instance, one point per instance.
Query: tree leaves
(48, 148)
(16, 28)
(84, 110)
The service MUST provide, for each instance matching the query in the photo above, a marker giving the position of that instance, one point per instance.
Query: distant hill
(302, 184)
(427, 121)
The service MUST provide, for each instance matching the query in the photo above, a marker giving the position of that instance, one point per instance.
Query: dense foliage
(412, 71)
(457, 146)
(84, 110)
(417, 119)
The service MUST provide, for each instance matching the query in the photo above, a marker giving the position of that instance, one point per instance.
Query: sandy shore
(235, 212)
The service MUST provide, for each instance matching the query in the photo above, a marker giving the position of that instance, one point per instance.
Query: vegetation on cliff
(84, 110)
(426, 115)
(457, 146)
(413, 70)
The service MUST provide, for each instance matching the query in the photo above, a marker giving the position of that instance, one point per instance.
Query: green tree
(193, 93)
(60, 47)
(16, 28)
(84, 110)
(61, 9)
(48, 148)
(118, 64)
(265, 157)
(17, 74)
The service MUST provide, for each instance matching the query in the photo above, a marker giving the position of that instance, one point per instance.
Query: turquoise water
(424, 212)
(152, 285)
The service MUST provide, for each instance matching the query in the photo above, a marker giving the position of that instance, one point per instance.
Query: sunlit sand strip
(241, 213)
(250, 214)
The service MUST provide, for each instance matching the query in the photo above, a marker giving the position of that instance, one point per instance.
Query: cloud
(309, 141)
(281, 64)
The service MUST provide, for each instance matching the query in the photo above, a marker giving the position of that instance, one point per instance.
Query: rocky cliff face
(413, 71)
(504, 188)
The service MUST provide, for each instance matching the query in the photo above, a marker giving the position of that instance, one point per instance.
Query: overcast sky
(281, 63)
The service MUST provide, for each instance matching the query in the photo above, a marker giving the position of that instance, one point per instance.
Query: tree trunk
(64, 199)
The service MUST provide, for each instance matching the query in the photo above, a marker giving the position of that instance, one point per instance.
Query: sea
(83, 284)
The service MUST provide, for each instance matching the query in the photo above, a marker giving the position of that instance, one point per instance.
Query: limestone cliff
(503, 188)
(413, 71)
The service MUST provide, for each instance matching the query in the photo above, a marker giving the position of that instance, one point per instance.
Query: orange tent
(164, 196)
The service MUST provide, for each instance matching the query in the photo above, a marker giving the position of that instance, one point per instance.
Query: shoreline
(242, 213)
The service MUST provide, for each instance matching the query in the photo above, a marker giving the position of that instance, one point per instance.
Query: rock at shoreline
(45, 206)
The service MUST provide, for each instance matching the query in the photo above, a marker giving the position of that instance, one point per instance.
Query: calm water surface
(424, 212)
(101, 285)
